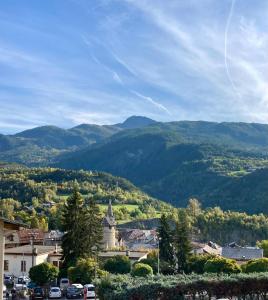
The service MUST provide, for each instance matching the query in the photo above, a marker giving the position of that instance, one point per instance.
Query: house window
(23, 266)
(6, 265)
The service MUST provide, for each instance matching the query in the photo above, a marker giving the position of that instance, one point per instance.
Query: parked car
(74, 292)
(64, 283)
(8, 279)
(31, 285)
(78, 285)
(89, 290)
(23, 280)
(38, 293)
(54, 292)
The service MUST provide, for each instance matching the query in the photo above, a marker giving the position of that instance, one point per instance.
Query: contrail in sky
(225, 48)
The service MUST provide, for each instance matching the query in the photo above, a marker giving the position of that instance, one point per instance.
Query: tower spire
(110, 210)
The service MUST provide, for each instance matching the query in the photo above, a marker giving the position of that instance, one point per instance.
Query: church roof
(109, 219)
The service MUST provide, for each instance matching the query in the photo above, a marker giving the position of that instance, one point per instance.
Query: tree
(85, 271)
(194, 207)
(82, 227)
(72, 225)
(141, 269)
(166, 249)
(93, 227)
(263, 245)
(43, 273)
(256, 265)
(182, 242)
(221, 265)
(118, 265)
(197, 263)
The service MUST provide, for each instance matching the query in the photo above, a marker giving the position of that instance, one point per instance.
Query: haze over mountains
(219, 163)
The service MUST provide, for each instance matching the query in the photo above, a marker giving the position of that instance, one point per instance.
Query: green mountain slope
(178, 160)
(42, 145)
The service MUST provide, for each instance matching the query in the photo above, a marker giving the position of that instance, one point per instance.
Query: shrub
(84, 271)
(118, 265)
(197, 263)
(194, 286)
(43, 273)
(142, 270)
(256, 265)
(221, 265)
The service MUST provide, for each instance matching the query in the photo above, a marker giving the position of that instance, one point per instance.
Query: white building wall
(109, 241)
(14, 263)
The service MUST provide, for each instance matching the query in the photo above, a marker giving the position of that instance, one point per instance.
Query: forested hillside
(175, 164)
(38, 194)
(218, 163)
(43, 145)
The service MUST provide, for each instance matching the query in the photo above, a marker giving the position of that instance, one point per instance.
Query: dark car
(73, 292)
(38, 293)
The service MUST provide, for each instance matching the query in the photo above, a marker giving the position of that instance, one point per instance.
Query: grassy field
(129, 207)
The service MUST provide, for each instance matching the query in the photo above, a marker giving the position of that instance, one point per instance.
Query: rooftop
(242, 253)
(27, 250)
(131, 254)
(12, 225)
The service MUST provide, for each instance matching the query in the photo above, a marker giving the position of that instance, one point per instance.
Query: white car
(64, 283)
(89, 290)
(78, 285)
(54, 292)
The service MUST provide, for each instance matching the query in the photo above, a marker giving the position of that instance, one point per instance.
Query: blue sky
(66, 62)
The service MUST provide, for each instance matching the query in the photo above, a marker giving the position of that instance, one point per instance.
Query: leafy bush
(197, 263)
(141, 269)
(256, 265)
(221, 265)
(43, 273)
(85, 271)
(118, 265)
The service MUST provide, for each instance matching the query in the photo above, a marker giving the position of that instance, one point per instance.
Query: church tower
(108, 223)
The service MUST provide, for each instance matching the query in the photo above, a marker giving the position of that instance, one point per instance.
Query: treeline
(227, 226)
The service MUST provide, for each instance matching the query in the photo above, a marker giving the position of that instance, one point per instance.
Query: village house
(241, 254)
(137, 239)
(24, 237)
(206, 248)
(19, 260)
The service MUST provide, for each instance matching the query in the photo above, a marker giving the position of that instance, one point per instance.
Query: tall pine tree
(182, 242)
(166, 249)
(82, 227)
(93, 227)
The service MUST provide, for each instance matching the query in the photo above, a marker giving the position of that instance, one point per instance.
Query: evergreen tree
(166, 250)
(72, 225)
(93, 227)
(82, 227)
(182, 242)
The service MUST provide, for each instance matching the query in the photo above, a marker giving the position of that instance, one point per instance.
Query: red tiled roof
(26, 235)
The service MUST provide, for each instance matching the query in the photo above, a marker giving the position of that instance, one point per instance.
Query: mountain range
(221, 164)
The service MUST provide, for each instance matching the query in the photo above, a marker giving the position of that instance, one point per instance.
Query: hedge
(182, 287)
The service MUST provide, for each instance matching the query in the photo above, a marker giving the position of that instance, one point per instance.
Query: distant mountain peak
(136, 122)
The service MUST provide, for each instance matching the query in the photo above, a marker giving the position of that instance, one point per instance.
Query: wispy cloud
(109, 59)
(153, 102)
